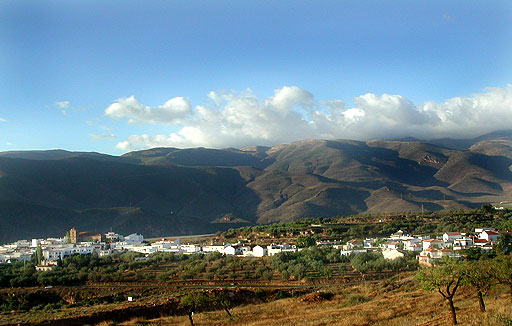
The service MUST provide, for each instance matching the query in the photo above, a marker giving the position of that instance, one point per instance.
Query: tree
(479, 275)
(472, 253)
(445, 279)
(39, 254)
(305, 241)
(221, 299)
(192, 302)
(487, 208)
(503, 270)
(503, 245)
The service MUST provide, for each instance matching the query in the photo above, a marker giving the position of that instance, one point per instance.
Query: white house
(480, 230)
(35, 242)
(230, 250)
(491, 236)
(259, 251)
(190, 249)
(353, 252)
(481, 243)
(353, 244)
(434, 243)
(143, 249)
(368, 243)
(46, 265)
(462, 243)
(430, 255)
(452, 236)
(391, 254)
(134, 237)
(114, 236)
(213, 248)
(275, 249)
(393, 245)
(400, 234)
(167, 244)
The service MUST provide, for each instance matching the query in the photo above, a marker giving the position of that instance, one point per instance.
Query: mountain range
(171, 191)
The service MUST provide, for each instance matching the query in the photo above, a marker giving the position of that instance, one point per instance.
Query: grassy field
(392, 302)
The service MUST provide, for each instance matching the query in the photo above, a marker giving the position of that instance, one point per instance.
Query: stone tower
(72, 235)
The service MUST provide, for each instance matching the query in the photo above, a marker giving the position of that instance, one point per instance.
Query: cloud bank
(171, 111)
(241, 119)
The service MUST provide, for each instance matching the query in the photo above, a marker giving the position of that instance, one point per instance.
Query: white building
(391, 254)
(430, 255)
(230, 251)
(134, 237)
(399, 235)
(35, 242)
(452, 236)
(259, 251)
(480, 230)
(213, 248)
(189, 249)
(112, 236)
(276, 249)
(434, 243)
(352, 252)
(491, 236)
(462, 243)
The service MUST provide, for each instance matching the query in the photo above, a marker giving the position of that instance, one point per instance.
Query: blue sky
(249, 72)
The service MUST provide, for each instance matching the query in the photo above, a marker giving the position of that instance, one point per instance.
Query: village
(397, 245)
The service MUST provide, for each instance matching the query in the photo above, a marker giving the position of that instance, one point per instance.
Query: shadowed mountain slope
(165, 191)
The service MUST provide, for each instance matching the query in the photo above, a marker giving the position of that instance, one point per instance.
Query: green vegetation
(314, 260)
(479, 273)
(200, 301)
(446, 277)
(379, 225)
(375, 261)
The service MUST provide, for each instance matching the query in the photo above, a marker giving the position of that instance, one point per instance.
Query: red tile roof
(491, 232)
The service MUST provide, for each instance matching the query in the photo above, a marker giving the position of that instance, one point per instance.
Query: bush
(355, 299)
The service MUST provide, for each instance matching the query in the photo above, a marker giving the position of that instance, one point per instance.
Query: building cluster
(53, 249)
(397, 245)
(427, 250)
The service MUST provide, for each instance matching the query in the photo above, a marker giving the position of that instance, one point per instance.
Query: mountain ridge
(164, 191)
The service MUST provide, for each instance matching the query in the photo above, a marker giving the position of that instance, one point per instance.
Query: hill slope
(171, 191)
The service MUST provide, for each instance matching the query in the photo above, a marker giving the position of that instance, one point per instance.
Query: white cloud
(2, 119)
(62, 104)
(102, 136)
(171, 111)
(240, 119)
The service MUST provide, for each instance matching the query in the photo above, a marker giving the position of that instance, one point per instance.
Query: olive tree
(503, 270)
(193, 302)
(480, 276)
(444, 278)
